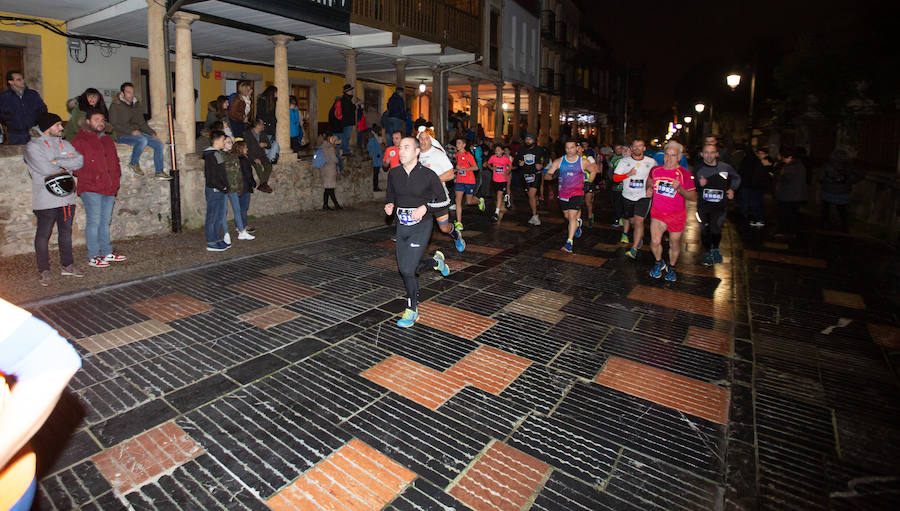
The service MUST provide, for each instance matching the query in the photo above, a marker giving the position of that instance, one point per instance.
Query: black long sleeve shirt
(420, 187)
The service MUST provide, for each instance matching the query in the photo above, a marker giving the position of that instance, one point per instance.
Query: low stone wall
(142, 205)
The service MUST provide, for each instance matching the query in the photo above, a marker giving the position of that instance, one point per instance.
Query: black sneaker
(495, 218)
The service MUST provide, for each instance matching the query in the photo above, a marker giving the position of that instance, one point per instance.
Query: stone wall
(142, 205)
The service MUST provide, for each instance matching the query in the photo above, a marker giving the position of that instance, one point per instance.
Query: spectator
(36, 363)
(361, 125)
(790, 192)
(216, 111)
(257, 143)
(329, 172)
(376, 153)
(342, 117)
(216, 188)
(296, 127)
(420, 121)
(19, 108)
(235, 190)
(130, 128)
(98, 183)
(49, 156)
(838, 176)
(240, 108)
(89, 100)
(755, 180)
(265, 110)
(240, 151)
(408, 123)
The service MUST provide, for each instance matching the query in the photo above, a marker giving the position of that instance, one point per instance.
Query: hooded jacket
(40, 153)
(101, 172)
(126, 118)
(214, 169)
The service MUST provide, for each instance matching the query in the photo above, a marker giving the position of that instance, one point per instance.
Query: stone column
(554, 117)
(184, 82)
(533, 127)
(544, 137)
(473, 104)
(517, 105)
(283, 105)
(438, 97)
(400, 70)
(157, 53)
(498, 117)
(350, 75)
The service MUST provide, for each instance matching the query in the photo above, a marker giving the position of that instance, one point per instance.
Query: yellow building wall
(54, 59)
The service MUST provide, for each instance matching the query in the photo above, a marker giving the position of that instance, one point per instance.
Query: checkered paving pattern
(533, 380)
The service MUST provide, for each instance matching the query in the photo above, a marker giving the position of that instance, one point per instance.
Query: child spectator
(373, 146)
(240, 152)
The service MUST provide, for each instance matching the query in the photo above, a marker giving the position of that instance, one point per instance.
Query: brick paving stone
(489, 369)
(885, 335)
(668, 356)
(452, 320)
(99, 343)
(843, 299)
(275, 290)
(709, 340)
(538, 388)
(109, 398)
(575, 258)
(522, 336)
(540, 304)
(135, 461)
(675, 391)
(810, 262)
(268, 316)
(414, 381)
(682, 301)
(170, 307)
(503, 478)
(355, 475)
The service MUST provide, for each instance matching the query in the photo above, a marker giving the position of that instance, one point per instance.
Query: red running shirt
(465, 160)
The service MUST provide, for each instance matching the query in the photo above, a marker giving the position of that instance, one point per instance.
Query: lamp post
(733, 80)
(699, 108)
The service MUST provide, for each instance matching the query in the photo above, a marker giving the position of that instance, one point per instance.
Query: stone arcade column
(157, 53)
(350, 76)
(400, 76)
(517, 117)
(473, 104)
(498, 116)
(533, 127)
(184, 82)
(282, 106)
(438, 97)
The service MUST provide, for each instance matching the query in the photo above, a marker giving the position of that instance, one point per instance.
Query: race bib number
(636, 184)
(461, 173)
(665, 189)
(710, 195)
(404, 216)
(499, 170)
(529, 178)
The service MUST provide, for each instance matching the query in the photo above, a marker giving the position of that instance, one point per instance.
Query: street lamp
(733, 80)
(506, 106)
(699, 107)
(688, 119)
(422, 87)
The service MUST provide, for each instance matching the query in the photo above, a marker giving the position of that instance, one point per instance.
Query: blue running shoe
(440, 265)
(717, 256)
(409, 318)
(578, 231)
(670, 274)
(567, 247)
(460, 243)
(632, 253)
(657, 270)
(709, 259)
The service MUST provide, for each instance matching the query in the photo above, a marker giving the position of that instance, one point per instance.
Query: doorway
(12, 58)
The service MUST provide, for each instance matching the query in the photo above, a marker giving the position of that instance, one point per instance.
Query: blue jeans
(236, 209)
(139, 142)
(392, 124)
(345, 139)
(215, 209)
(244, 201)
(98, 213)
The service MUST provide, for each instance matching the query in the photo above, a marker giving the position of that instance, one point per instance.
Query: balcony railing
(429, 20)
(548, 24)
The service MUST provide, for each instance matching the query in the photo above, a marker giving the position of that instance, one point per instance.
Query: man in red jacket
(98, 183)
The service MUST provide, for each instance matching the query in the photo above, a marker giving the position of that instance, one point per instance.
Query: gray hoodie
(40, 153)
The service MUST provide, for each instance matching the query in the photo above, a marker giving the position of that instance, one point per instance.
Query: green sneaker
(409, 318)
(480, 203)
(623, 238)
(458, 225)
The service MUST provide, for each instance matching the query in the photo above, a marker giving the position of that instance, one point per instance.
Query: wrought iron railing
(429, 20)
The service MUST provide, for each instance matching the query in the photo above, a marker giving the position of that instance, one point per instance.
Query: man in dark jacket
(216, 188)
(342, 122)
(19, 108)
(256, 151)
(396, 112)
(98, 183)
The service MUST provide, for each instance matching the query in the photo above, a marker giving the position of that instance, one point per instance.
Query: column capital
(280, 39)
(184, 19)
(475, 81)
(349, 53)
(499, 85)
(400, 62)
(156, 5)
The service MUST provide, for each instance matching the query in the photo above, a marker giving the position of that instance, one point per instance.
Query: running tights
(412, 241)
(711, 228)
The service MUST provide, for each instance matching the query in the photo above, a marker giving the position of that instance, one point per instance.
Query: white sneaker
(98, 262)
(244, 235)
(227, 239)
(535, 220)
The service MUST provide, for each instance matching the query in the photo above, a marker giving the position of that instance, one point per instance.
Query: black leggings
(412, 242)
(711, 227)
(329, 192)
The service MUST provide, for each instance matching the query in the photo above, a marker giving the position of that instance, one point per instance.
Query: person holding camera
(51, 161)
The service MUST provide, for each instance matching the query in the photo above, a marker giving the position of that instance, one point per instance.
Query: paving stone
(268, 316)
(422, 495)
(201, 392)
(133, 422)
(522, 336)
(73, 487)
(580, 361)
(502, 478)
(682, 301)
(655, 485)
(422, 344)
(328, 308)
(489, 369)
(538, 388)
(709, 340)
(677, 358)
(414, 381)
(565, 492)
(170, 307)
(299, 350)
(484, 412)
(110, 398)
(274, 290)
(99, 343)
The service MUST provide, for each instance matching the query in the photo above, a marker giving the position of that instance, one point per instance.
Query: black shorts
(500, 187)
(575, 202)
(534, 183)
(639, 208)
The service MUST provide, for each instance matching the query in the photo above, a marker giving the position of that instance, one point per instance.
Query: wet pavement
(533, 380)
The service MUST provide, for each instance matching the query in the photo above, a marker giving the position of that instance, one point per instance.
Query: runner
(416, 193)
(500, 169)
(465, 181)
(571, 189)
(718, 181)
(530, 158)
(392, 154)
(632, 172)
(669, 185)
(432, 156)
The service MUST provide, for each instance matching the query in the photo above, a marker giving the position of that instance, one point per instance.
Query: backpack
(338, 113)
(319, 160)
